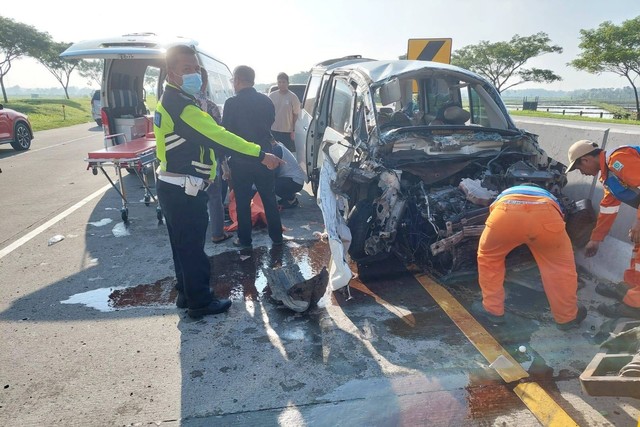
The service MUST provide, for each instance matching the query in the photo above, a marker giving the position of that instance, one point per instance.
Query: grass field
(55, 113)
(58, 112)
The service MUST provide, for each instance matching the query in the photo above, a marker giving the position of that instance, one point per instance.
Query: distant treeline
(624, 94)
(620, 95)
(50, 92)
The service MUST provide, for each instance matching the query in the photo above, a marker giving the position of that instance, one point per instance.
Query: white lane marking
(51, 146)
(24, 239)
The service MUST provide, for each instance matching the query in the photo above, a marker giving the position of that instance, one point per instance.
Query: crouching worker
(620, 176)
(530, 215)
(289, 176)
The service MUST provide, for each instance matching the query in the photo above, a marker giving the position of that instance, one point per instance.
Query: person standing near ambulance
(287, 106)
(620, 176)
(186, 139)
(530, 215)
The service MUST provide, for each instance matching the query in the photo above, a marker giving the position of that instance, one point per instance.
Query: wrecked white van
(406, 156)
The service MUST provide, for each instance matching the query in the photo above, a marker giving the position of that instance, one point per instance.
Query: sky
(293, 35)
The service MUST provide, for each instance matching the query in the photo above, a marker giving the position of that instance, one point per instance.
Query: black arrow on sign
(430, 50)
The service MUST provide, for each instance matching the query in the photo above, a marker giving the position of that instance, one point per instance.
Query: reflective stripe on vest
(529, 190)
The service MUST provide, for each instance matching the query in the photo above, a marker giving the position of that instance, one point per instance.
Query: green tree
(59, 67)
(300, 77)
(91, 70)
(614, 49)
(18, 40)
(502, 62)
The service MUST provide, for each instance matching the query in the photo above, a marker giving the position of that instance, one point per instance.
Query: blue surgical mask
(191, 83)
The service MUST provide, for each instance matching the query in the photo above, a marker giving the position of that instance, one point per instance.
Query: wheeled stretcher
(136, 156)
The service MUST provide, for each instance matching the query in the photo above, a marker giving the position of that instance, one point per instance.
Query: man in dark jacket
(250, 114)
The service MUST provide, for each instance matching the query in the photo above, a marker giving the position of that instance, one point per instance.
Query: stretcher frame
(136, 156)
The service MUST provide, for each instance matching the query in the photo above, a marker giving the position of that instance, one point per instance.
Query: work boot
(478, 309)
(580, 316)
(619, 310)
(616, 291)
(216, 306)
(181, 301)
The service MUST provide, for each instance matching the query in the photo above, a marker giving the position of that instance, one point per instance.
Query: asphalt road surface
(91, 336)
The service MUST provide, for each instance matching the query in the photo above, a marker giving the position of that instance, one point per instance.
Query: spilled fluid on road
(238, 275)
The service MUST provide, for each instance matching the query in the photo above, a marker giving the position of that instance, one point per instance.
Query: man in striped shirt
(620, 176)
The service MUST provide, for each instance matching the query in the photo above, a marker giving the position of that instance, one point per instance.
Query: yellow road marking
(479, 337)
(543, 407)
(405, 315)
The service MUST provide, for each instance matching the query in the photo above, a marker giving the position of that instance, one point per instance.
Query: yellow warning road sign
(438, 50)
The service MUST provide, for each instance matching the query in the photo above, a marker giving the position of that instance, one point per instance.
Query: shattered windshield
(436, 100)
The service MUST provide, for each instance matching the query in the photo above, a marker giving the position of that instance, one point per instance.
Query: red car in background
(15, 129)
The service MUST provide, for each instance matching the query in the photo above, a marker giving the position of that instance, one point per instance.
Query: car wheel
(99, 122)
(359, 223)
(22, 137)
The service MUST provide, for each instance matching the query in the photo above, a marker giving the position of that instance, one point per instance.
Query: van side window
(312, 93)
(341, 102)
(151, 83)
(364, 119)
(219, 79)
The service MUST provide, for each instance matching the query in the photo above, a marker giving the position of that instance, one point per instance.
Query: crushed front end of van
(417, 151)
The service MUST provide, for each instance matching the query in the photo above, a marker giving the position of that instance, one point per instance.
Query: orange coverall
(629, 174)
(536, 221)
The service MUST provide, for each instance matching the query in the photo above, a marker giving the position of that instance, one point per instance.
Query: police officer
(619, 173)
(186, 139)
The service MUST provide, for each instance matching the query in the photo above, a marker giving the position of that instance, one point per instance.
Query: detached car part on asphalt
(15, 129)
(418, 151)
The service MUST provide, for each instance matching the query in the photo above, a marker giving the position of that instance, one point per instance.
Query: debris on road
(55, 239)
(614, 371)
(289, 287)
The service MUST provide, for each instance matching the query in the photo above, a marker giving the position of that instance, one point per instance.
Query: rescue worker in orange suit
(528, 214)
(620, 177)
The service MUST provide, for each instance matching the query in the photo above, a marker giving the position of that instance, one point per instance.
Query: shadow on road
(386, 353)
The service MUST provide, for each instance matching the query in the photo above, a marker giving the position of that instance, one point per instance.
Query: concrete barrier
(556, 138)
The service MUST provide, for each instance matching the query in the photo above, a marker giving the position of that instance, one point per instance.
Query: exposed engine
(430, 210)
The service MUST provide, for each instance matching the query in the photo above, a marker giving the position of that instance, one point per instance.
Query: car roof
(134, 45)
(380, 71)
(331, 64)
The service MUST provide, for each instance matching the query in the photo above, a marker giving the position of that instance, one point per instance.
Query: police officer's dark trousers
(187, 220)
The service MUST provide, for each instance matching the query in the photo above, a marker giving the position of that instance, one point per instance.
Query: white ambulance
(134, 63)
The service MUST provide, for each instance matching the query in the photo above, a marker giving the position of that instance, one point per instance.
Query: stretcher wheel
(159, 215)
(147, 199)
(124, 213)
(94, 171)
